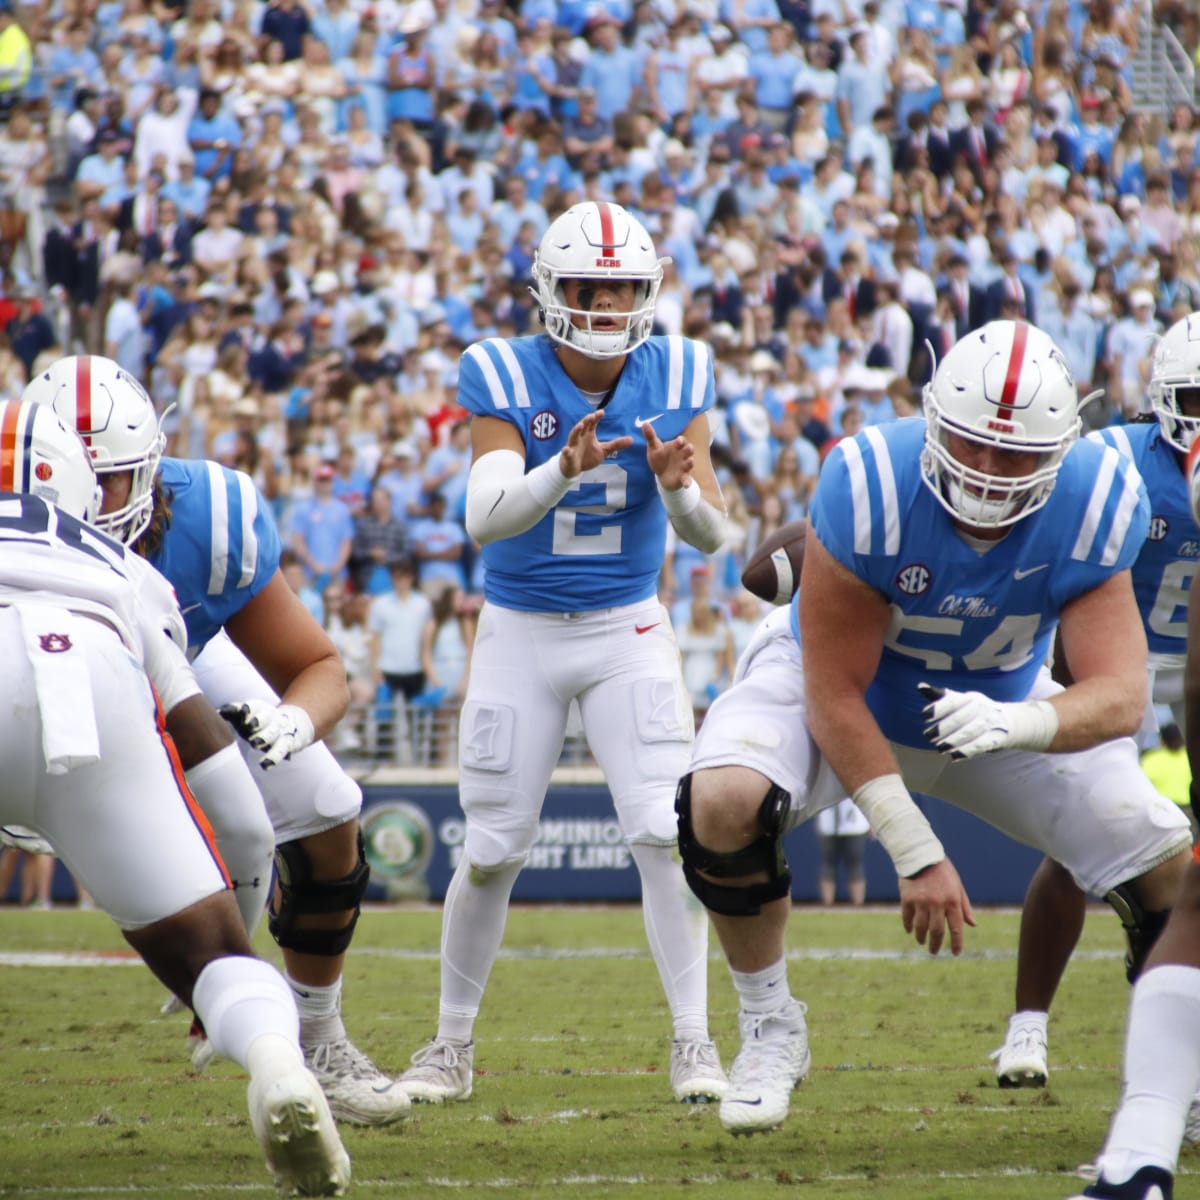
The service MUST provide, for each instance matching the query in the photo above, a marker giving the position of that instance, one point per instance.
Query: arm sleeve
(503, 501)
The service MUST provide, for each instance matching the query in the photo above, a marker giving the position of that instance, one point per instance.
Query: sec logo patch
(544, 425)
(913, 579)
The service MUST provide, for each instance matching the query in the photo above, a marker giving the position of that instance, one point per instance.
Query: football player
(1163, 574)
(262, 659)
(586, 440)
(88, 676)
(940, 557)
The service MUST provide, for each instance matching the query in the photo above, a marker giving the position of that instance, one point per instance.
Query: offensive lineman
(939, 558)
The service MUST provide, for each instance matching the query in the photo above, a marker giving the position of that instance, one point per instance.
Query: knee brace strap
(1142, 928)
(301, 894)
(765, 853)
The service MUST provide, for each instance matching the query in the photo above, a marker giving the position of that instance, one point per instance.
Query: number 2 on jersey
(607, 538)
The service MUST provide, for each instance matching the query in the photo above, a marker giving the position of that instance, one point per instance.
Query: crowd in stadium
(290, 218)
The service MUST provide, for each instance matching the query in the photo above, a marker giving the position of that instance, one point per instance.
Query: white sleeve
(168, 668)
(502, 500)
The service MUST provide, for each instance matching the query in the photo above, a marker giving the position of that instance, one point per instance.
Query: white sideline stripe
(51, 958)
(391, 1186)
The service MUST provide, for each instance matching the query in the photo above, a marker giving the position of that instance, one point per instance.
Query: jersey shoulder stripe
(688, 373)
(1115, 498)
(501, 383)
(863, 466)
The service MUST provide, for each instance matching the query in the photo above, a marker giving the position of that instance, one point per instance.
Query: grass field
(571, 1095)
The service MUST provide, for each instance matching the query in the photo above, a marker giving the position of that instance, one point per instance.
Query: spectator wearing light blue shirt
(862, 84)
(753, 20)
(611, 70)
(1075, 333)
(774, 72)
(322, 531)
(73, 66)
(100, 171)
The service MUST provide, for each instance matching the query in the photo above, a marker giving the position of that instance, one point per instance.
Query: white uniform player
(88, 677)
(209, 532)
(573, 532)
(940, 558)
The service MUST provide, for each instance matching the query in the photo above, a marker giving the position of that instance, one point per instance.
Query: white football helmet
(1006, 385)
(116, 419)
(1174, 368)
(41, 455)
(596, 240)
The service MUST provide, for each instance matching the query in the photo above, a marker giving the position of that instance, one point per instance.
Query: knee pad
(301, 894)
(1142, 928)
(765, 853)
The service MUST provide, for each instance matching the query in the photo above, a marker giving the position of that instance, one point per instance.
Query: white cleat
(696, 1073)
(1021, 1061)
(200, 1049)
(358, 1091)
(172, 1004)
(295, 1129)
(773, 1060)
(441, 1070)
(1191, 1128)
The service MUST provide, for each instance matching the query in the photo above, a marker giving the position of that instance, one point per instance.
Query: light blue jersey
(603, 544)
(221, 547)
(1163, 573)
(960, 618)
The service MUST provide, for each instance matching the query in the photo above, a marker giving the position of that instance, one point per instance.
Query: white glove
(277, 732)
(967, 724)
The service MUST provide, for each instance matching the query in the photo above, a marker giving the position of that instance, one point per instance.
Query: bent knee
(725, 804)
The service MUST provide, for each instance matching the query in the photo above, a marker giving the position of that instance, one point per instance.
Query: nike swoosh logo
(646, 628)
(190, 608)
(749, 1103)
(380, 1088)
(498, 499)
(638, 422)
(1020, 573)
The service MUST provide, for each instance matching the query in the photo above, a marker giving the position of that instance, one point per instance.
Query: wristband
(899, 825)
(1034, 725)
(681, 501)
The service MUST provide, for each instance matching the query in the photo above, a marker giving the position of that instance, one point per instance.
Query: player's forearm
(699, 522)
(322, 691)
(848, 737)
(503, 500)
(1097, 710)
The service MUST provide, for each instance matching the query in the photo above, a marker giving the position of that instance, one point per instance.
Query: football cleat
(1150, 1183)
(357, 1090)
(24, 839)
(773, 1060)
(696, 1073)
(441, 1070)
(1021, 1061)
(295, 1129)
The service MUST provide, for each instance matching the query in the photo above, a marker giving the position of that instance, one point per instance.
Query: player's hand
(967, 724)
(934, 901)
(277, 732)
(671, 461)
(584, 450)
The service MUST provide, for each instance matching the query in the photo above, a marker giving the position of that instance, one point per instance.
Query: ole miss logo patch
(544, 425)
(54, 643)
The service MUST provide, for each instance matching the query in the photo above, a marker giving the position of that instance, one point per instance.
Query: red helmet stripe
(607, 236)
(1016, 360)
(10, 415)
(83, 397)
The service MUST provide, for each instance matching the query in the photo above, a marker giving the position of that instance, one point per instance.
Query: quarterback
(586, 439)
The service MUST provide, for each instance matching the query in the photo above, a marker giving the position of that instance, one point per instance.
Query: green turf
(571, 1094)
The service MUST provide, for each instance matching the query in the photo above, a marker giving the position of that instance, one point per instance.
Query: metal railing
(1163, 72)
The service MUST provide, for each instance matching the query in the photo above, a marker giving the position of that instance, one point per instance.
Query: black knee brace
(765, 853)
(1141, 927)
(300, 893)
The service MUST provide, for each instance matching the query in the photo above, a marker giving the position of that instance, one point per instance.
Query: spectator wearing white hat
(1131, 342)
(718, 75)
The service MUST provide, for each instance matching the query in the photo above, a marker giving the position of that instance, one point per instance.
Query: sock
(677, 929)
(239, 1000)
(473, 921)
(320, 1011)
(1162, 1073)
(228, 797)
(1028, 1018)
(764, 991)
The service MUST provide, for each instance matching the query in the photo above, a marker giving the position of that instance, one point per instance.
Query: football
(773, 571)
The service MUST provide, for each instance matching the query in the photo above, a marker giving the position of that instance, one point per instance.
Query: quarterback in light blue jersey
(939, 558)
(269, 667)
(573, 530)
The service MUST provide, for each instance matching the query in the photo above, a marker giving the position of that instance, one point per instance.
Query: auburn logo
(54, 643)
(43, 471)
